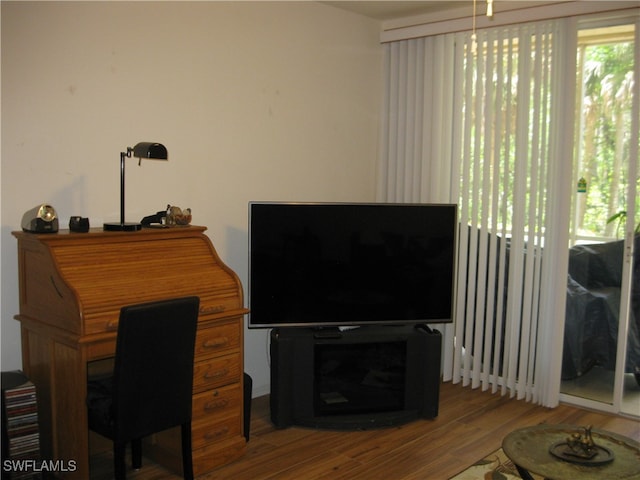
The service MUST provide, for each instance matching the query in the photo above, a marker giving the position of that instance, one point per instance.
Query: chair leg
(119, 467)
(187, 460)
(136, 453)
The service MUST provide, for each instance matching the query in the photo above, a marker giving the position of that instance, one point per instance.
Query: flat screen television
(350, 264)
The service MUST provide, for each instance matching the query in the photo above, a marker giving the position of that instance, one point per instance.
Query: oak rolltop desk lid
(78, 282)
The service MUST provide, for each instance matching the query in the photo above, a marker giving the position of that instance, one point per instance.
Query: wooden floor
(470, 425)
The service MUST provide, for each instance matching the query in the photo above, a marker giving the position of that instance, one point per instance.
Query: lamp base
(121, 227)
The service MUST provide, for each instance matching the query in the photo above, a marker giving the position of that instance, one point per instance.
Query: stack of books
(21, 438)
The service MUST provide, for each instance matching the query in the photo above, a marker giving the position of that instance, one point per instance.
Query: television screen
(339, 264)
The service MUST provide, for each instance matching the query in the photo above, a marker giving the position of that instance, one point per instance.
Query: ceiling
(388, 10)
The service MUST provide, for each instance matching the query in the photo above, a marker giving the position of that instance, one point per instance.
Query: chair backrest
(153, 371)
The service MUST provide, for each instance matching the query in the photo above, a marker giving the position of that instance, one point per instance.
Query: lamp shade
(150, 150)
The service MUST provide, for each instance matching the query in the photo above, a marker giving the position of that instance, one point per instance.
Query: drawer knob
(216, 404)
(216, 342)
(216, 374)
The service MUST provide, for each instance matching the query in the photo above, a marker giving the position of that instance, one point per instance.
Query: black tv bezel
(334, 324)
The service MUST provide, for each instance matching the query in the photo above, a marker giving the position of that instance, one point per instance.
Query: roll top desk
(72, 287)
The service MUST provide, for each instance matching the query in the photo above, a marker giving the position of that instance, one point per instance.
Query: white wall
(254, 101)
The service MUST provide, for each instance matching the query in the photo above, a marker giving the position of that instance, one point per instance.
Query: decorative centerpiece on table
(579, 447)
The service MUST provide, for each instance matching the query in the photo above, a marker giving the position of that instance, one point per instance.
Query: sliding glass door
(601, 356)
(486, 120)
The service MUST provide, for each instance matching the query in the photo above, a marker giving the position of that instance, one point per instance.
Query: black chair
(151, 386)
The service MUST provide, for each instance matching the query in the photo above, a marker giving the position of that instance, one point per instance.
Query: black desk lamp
(148, 150)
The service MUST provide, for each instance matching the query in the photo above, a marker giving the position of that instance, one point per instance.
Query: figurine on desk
(171, 216)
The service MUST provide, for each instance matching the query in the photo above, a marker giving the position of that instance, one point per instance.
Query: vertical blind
(475, 122)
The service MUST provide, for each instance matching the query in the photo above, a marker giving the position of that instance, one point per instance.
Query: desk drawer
(216, 454)
(214, 404)
(215, 431)
(217, 339)
(216, 372)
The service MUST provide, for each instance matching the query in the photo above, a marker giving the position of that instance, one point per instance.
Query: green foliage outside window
(606, 101)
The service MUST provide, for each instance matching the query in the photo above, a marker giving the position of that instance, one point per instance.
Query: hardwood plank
(470, 425)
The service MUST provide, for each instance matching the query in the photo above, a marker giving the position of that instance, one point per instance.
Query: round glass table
(535, 450)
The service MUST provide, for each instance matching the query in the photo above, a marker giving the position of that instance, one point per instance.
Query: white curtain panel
(487, 123)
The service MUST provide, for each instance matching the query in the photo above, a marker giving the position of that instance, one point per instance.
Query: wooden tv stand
(72, 286)
(368, 377)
